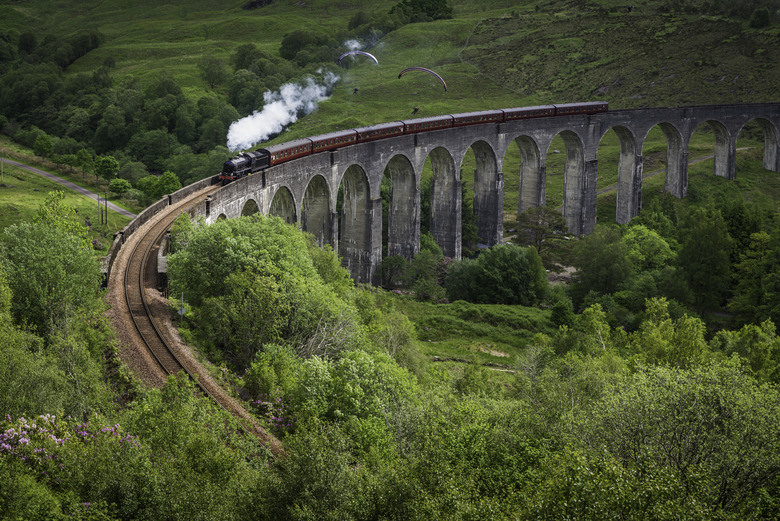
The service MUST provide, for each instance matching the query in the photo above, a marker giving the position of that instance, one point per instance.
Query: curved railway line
(148, 345)
(138, 271)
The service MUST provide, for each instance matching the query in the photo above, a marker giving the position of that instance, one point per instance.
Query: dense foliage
(239, 269)
(368, 437)
(666, 420)
(708, 261)
(423, 10)
(505, 274)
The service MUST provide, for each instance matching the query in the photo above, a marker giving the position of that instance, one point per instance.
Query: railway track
(137, 312)
(138, 274)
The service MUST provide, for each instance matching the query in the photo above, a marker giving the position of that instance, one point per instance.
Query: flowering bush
(48, 445)
(276, 412)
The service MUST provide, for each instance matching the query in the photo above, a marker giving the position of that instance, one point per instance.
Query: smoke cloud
(280, 109)
(352, 45)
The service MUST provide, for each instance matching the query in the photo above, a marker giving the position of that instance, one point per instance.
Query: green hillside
(492, 54)
(128, 79)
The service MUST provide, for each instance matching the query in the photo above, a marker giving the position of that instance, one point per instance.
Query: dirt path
(67, 184)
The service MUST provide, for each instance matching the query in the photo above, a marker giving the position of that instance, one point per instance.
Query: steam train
(251, 162)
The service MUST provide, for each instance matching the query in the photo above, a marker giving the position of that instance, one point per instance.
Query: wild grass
(477, 333)
(492, 54)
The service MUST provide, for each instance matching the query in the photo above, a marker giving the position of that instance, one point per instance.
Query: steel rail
(144, 321)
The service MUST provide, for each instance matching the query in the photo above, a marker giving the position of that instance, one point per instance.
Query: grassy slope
(636, 59)
(23, 192)
(489, 58)
(492, 54)
(484, 334)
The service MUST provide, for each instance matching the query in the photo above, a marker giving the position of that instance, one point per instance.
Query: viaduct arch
(336, 196)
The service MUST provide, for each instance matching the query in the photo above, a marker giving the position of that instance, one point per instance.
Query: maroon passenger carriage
(333, 140)
(252, 162)
(381, 131)
(528, 112)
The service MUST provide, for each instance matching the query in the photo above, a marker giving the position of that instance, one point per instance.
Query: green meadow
(23, 192)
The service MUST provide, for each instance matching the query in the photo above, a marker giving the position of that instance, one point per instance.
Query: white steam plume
(352, 45)
(280, 109)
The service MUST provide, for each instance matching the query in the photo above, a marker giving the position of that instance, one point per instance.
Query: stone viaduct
(306, 191)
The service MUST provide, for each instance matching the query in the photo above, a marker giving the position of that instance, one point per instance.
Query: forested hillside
(644, 387)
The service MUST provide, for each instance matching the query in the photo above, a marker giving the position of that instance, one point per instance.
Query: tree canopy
(235, 269)
(504, 274)
(51, 274)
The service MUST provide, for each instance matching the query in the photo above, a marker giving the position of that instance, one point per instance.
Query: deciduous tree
(106, 167)
(756, 295)
(714, 426)
(119, 186)
(704, 256)
(539, 227)
(166, 184)
(662, 340)
(212, 70)
(505, 274)
(51, 274)
(601, 262)
(56, 213)
(43, 145)
(758, 345)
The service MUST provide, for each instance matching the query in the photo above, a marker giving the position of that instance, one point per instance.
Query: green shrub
(505, 274)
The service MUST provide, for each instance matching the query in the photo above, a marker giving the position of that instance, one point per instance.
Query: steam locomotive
(252, 162)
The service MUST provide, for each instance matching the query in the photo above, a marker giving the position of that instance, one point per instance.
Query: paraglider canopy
(348, 53)
(423, 69)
